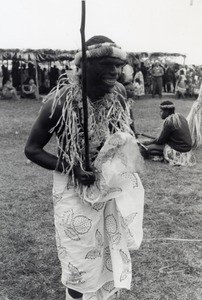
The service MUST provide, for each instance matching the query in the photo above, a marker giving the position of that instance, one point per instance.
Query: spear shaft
(84, 85)
(146, 135)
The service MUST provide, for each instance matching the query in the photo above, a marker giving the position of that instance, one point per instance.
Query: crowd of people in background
(20, 81)
(158, 78)
(139, 79)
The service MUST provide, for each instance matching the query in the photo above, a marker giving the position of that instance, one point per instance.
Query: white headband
(101, 50)
(167, 106)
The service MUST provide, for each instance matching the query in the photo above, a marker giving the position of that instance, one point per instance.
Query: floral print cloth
(98, 225)
(176, 158)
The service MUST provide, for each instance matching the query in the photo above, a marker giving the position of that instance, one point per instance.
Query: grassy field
(168, 264)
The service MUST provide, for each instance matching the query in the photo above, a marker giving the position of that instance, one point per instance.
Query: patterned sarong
(97, 226)
(176, 158)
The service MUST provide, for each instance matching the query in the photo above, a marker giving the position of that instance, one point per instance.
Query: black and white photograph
(100, 150)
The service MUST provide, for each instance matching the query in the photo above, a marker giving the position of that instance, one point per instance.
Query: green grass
(162, 269)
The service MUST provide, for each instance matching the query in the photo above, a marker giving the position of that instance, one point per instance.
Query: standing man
(157, 79)
(98, 213)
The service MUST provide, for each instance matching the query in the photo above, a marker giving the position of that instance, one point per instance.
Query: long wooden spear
(84, 85)
(146, 135)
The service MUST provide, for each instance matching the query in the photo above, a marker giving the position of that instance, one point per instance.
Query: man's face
(104, 72)
(164, 113)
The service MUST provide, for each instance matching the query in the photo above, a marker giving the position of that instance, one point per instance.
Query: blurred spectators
(9, 92)
(29, 90)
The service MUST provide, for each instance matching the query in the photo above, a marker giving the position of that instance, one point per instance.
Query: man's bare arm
(40, 135)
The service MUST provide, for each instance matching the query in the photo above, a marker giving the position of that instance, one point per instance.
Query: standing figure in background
(54, 75)
(175, 69)
(157, 79)
(181, 85)
(5, 75)
(31, 70)
(148, 81)
(15, 73)
(45, 82)
(169, 79)
(139, 83)
(24, 75)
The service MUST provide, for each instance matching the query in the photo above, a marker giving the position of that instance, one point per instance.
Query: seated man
(9, 92)
(30, 90)
(174, 142)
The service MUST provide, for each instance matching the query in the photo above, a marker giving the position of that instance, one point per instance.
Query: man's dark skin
(156, 149)
(102, 75)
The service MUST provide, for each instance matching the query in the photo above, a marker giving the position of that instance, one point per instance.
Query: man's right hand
(84, 177)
